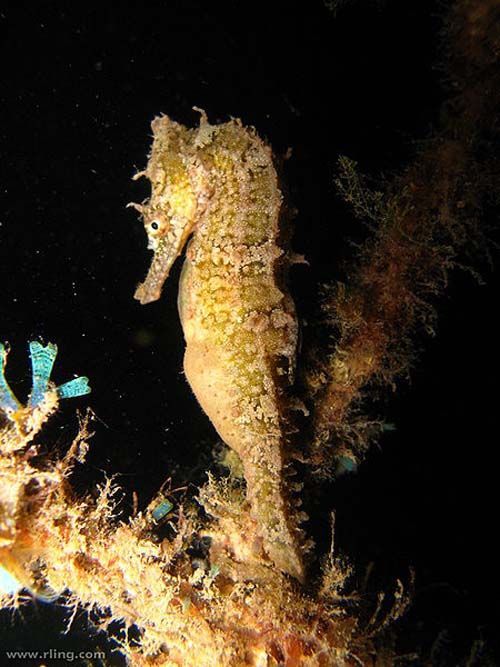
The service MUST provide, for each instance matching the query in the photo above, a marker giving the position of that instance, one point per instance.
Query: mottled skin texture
(218, 184)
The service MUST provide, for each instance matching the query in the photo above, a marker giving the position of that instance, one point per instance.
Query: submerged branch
(206, 596)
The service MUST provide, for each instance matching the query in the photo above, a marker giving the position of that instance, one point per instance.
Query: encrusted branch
(221, 604)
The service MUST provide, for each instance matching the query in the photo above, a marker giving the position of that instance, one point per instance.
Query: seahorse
(218, 185)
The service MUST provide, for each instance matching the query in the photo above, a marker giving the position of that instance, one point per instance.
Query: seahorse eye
(155, 226)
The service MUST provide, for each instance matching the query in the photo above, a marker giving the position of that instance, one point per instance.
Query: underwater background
(78, 90)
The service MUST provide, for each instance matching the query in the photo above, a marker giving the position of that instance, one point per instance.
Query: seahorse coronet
(215, 189)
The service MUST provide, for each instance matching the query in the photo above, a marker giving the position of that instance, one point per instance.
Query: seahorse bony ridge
(218, 184)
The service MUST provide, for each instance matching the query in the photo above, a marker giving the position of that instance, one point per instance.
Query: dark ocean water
(78, 89)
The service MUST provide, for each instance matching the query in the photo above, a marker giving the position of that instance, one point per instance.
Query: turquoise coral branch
(77, 387)
(8, 401)
(42, 362)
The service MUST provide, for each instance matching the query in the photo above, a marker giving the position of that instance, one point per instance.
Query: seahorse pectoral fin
(164, 256)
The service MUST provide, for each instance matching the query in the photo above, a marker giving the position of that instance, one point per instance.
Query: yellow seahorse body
(219, 184)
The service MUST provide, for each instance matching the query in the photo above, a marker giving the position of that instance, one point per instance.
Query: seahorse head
(169, 215)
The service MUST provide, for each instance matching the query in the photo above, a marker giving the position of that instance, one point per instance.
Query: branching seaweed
(423, 223)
